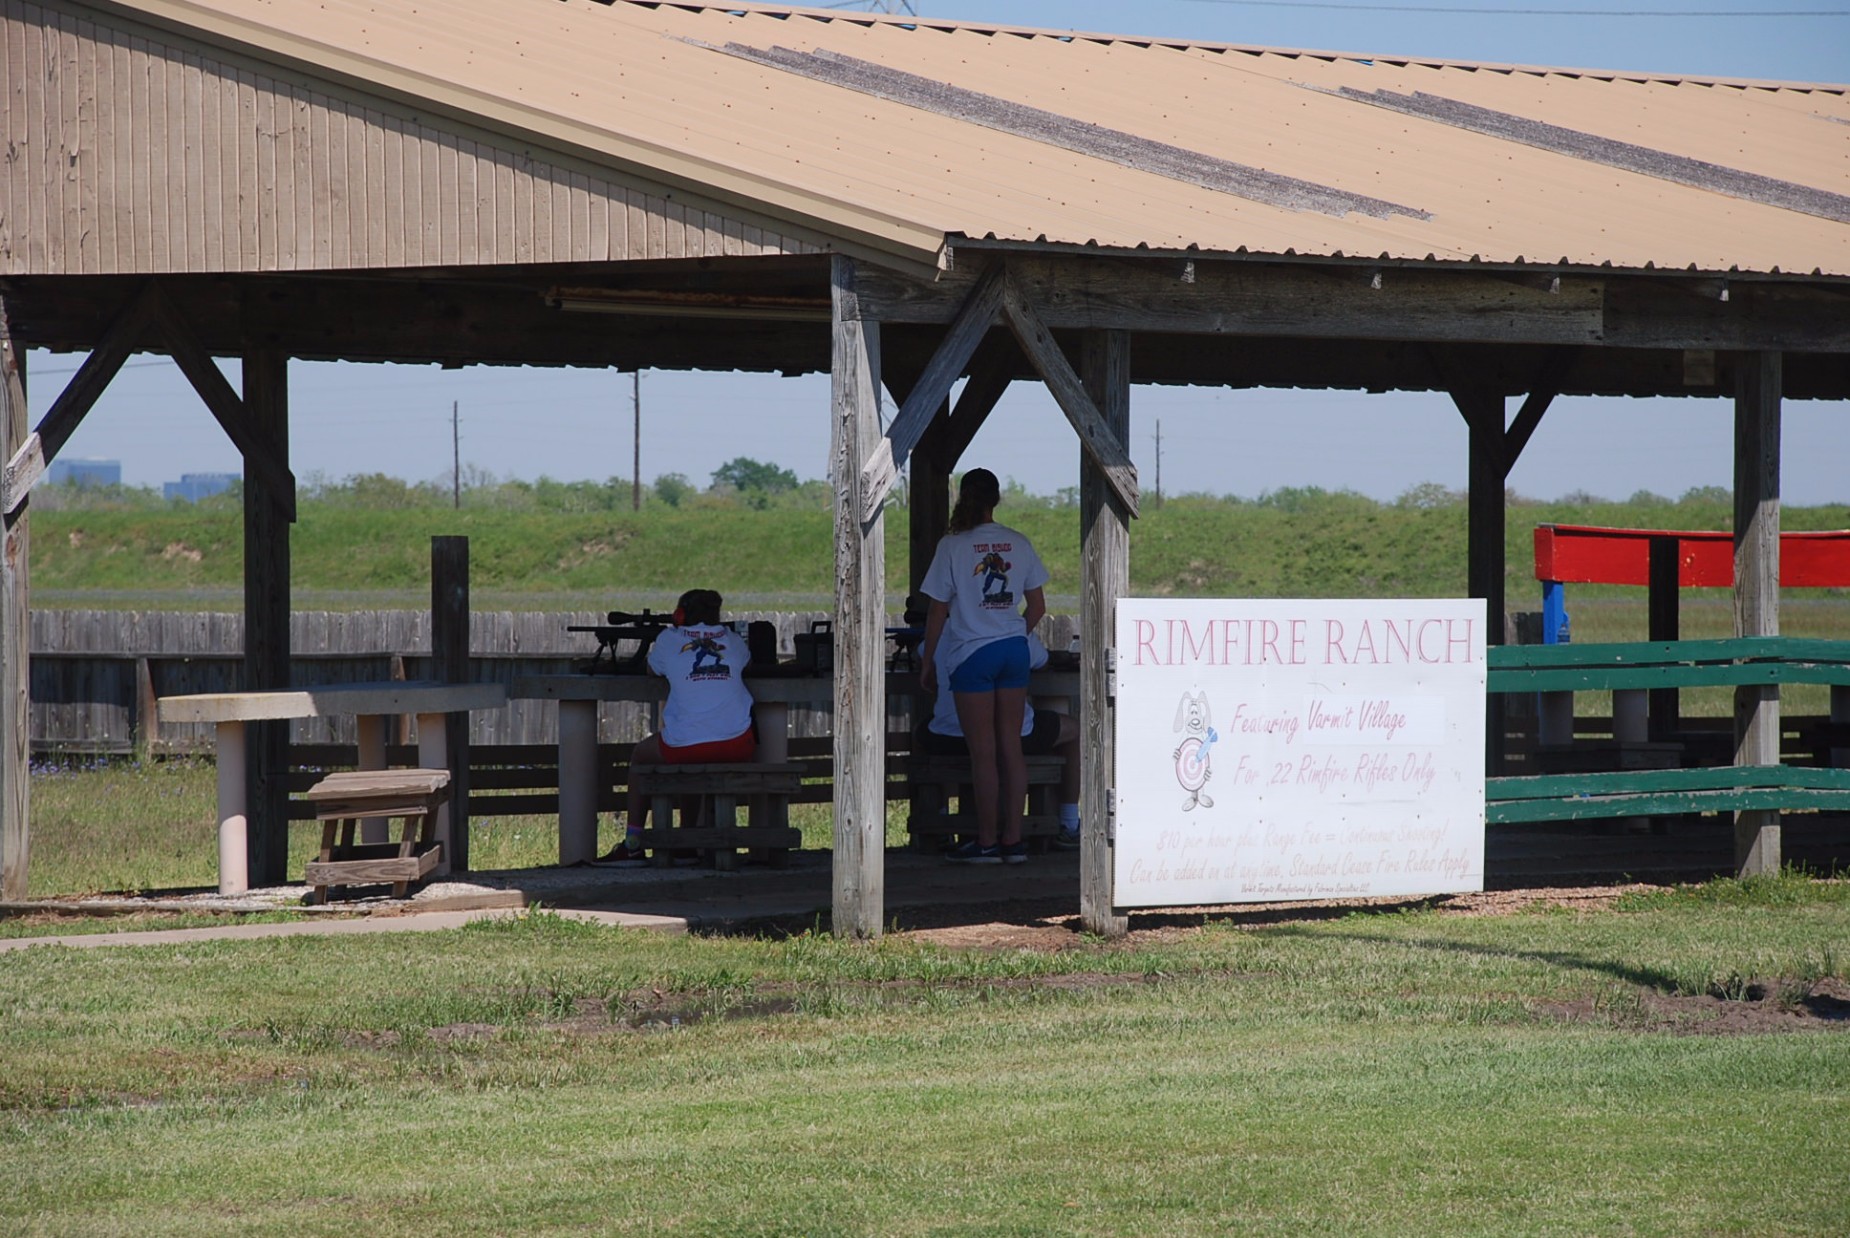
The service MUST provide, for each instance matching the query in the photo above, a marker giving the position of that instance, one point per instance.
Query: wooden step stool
(343, 800)
(938, 778)
(713, 794)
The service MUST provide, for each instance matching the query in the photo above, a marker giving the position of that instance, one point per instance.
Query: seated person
(708, 714)
(1042, 732)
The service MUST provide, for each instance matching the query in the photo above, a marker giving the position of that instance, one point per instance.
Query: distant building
(86, 472)
(193, 487)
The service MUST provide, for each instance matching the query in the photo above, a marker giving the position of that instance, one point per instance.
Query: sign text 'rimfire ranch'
(1274, 750)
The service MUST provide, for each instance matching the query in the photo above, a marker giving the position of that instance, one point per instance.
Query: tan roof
(902, 133)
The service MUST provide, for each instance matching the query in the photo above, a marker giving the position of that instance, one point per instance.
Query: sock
(1069, 817)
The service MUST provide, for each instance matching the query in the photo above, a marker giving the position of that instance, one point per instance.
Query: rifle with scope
(623, 628)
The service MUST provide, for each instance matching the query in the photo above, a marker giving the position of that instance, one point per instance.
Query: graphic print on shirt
(994, 569)
(709, 656)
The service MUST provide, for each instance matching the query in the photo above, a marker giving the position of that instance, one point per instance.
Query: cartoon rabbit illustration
(1199, 735)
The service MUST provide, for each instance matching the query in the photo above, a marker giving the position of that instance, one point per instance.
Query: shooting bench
(938, 778)
(709, 797)
(343, 800)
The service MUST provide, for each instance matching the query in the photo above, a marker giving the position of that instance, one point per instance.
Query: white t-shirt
(983, 575)
(944, 705)
(707, 697)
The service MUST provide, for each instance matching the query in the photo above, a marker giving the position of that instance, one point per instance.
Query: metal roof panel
(905, 131)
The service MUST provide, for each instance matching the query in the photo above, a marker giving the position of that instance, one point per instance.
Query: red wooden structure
(1590, 555)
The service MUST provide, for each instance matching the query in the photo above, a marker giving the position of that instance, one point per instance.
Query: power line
(1476, 11)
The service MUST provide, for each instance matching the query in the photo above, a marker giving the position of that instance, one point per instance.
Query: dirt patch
(1050, 925)
(180, 550)
(1760, 1008)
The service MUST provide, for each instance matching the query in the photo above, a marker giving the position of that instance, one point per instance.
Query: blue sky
(577, 424)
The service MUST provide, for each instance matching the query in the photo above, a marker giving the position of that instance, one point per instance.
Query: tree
(755, 481)
(671, 488)
(749, 476)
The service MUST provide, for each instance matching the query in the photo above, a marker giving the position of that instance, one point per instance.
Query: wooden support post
(449, 656)
(860, 635)
(145, 734)
(1483, 413)
(1758, 382)
(266, 611)
(1105, 542)
(1665, 621)
(15, 628)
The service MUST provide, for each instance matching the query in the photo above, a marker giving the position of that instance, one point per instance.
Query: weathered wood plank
(26, 465)
(15, 629)
(1106, 571)
(932, 390)
(1103, 446)
(1245, 298)
(1756, 590)
(860, 575)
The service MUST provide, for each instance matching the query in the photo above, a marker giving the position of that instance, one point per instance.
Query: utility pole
(636, 441)
(455, 456)
(1159, 461)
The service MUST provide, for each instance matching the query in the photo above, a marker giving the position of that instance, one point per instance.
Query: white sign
(1274, 750)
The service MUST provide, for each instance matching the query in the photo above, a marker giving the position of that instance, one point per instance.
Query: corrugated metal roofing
(901, 133)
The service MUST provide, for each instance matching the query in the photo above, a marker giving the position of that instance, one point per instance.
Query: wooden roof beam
(1102, 444)
(882, 466)
(28, 465)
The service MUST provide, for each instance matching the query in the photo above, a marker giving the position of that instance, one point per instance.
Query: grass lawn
(1544, 1072)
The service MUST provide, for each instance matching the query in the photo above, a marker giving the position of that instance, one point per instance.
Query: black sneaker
(1066, 840)
(1015, 853)
(974, 852)
(622, 856)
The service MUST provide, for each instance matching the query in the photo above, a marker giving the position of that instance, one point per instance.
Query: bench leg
(661, 811)
(725, 817)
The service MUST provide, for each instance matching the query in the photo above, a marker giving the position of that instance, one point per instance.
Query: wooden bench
(938, 778)
(712, 795)
(345, 799)
(1656, 665)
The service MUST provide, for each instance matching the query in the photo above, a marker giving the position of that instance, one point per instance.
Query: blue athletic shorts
(999, 664)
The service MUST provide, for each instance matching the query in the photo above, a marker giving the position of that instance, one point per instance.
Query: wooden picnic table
(773, 694)
(371, 703)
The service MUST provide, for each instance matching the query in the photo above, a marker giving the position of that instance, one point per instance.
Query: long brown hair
(977, 496)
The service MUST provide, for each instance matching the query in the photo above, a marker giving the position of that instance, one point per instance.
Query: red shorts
(737, 750)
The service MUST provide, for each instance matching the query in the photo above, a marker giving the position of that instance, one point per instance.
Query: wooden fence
(96, 674)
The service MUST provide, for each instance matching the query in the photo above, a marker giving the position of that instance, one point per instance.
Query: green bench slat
(1650, 781)
(1644, 793)
(1744, 799)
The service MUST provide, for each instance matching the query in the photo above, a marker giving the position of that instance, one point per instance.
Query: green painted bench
(1669, 664)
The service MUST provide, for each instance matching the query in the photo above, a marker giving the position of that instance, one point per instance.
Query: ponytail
(977, 496)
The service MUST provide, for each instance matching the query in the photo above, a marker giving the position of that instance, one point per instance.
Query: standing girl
(981, 577)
